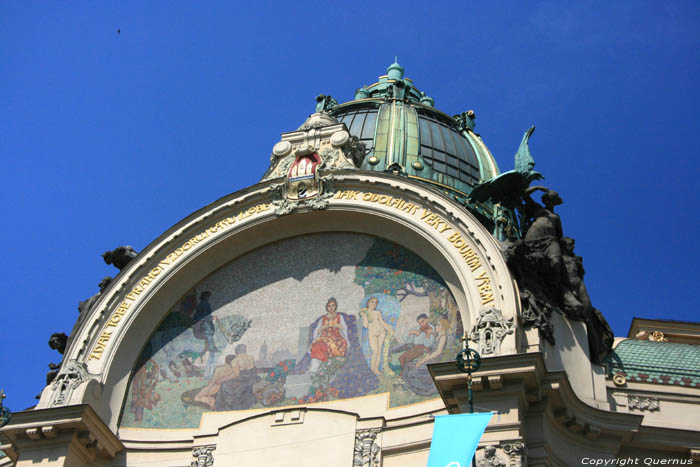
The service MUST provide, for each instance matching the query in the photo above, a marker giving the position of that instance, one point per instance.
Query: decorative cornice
(43, 425)
(528, 371)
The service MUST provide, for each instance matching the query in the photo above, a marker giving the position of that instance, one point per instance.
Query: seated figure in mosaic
(335, 335)
(234, 368)
(330, 338)
(417, 376)
(418, 342)
(237, 393)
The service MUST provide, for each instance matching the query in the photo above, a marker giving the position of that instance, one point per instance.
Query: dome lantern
(395, 71)
(406, 134)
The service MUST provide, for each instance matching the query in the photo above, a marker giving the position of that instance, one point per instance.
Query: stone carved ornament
(337, 148)
(505, 455)
(490, 458)
(72, 375)
(343, 152)
(301, 156)
(643, 403)
(489, 331)
(203, 456)
(367, 451)
(516, 453)
(324, 189)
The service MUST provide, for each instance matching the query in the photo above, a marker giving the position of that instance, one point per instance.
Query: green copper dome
(407, 135)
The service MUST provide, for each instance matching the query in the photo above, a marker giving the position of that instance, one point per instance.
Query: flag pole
(469, 360)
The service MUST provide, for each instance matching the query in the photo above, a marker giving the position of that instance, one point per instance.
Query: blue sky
(110, 138)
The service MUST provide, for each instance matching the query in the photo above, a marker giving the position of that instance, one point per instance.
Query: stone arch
(417, 218)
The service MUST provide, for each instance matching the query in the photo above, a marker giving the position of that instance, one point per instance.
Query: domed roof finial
(395, 71)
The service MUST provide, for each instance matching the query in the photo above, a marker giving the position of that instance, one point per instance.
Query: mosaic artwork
(305, 320)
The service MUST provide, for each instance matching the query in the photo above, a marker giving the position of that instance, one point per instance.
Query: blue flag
(455, 438)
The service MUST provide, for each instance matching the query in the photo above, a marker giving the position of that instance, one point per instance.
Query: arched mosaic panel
(309, 319)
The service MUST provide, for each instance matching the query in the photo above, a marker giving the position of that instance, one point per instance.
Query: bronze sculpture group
(548, 272)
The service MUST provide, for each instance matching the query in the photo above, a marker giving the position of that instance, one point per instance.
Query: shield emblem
(302, 178)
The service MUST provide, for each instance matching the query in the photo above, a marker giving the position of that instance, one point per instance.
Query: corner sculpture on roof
(57, 342)
(548, 272)
(120, 256)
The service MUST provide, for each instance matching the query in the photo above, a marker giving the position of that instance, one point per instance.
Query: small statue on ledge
(120, 256)
(325, 103)
(57, 342)
(85, 305)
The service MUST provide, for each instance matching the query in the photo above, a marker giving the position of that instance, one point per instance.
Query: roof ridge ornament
(393, 86)
(362, 93)
(465, 120)
(395, 71)
(427, 100)
(325, 103)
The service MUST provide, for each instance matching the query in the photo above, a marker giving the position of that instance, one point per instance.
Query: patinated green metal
(325, 103)
(394, 86)
(402, 116)
(395, 71)
(407, 137)
(468, 361)
(426, 100)
(362, 93)
(465, 120)
(506, 190)
(524, 163)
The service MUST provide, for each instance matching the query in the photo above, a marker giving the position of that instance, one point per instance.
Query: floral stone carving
(203, 455)
(515, 452)
(367, 449)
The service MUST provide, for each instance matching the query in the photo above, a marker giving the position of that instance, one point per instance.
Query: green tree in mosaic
(393, 270)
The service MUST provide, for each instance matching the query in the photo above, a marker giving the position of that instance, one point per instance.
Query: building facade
(314, 318)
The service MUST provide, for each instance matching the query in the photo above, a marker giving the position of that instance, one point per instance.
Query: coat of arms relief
(321, 143)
